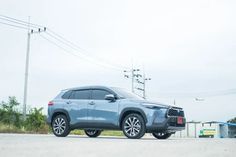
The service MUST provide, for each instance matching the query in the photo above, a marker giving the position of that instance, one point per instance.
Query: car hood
(158, 104)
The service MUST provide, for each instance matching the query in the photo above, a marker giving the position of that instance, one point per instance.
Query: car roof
(88, 87)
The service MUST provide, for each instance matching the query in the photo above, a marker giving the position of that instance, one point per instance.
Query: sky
(187, 47)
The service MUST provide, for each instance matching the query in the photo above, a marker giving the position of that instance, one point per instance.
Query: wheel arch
(60, 112)
(131, 110)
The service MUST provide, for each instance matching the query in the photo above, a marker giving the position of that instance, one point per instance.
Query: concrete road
(20, 145)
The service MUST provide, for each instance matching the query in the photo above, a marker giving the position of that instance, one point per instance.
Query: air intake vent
(175, 112)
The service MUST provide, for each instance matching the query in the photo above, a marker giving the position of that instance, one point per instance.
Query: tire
(133, 126)
(161, 135)
(60, 126)
(92, 133)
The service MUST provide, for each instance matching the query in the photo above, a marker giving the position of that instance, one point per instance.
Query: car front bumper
(170, 125)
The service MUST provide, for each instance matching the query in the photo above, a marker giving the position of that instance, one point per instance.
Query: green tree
(9, 114)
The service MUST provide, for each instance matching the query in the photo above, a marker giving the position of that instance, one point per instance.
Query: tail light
(50, 103)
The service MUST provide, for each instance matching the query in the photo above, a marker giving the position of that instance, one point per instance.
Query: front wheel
(133, 126)
(92, 133)
(161, 135)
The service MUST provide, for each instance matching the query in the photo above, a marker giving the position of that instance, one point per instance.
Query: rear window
(66, 95)
(80, 94)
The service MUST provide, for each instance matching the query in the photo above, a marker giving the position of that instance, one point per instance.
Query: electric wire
(83, 54)
(206, 94)
(61, 39)
(13, 25)
(18, 22)
(27, 23)
(78, 48)
(75, 54)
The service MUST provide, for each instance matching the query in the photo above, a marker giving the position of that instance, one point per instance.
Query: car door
(101, 112)
(77, 105)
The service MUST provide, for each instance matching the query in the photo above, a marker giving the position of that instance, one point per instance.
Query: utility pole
(26, 70)
(27, 64)
(144, 85)
(132, 79)
(132, 75)
(143, 82)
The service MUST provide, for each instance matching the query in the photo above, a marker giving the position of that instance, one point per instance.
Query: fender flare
(132, 109)
(56, 111)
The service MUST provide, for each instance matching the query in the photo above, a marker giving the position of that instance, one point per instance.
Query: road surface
(24, 145)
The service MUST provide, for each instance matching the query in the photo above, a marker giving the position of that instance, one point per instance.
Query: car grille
(175, 112)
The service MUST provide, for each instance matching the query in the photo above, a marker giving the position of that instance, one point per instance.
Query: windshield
(122, 93)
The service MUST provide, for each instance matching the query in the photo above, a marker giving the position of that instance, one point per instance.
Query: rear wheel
(60, 126)
(133, 126)
(92, 133)
(161, 135)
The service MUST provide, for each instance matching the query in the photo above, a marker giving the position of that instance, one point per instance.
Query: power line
(14, 25)
(60, 39)
(90, 59)
(21, 21)
(76, 54)
(78, 48)
(198, 94)
(54, 43)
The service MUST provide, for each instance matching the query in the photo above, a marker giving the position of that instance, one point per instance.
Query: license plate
(180, 120)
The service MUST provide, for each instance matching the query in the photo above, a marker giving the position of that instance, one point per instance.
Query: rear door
(77, 105)
(101, 112)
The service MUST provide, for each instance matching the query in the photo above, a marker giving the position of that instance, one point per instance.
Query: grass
(10, 129)
(104, 133)
(13, 129)
(45, 130)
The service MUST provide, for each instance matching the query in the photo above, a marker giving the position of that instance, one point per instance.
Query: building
(212, 129)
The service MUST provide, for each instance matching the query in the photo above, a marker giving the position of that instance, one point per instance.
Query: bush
(11, 120)
(36, 121)
(9, 114)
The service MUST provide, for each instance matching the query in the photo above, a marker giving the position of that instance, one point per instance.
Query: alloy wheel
(132, 126)
(59, 125)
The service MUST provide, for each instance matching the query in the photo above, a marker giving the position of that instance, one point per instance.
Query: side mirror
(110, 97)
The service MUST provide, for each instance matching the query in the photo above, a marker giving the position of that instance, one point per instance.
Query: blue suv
(97, 108)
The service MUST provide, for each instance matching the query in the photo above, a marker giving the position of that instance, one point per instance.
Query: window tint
(80, 94)
(66, 95)
(99, 94)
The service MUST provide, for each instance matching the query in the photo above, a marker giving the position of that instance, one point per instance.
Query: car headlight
(154, 106)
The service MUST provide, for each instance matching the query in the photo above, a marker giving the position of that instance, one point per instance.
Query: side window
(66, 95)
(99, 94)
(80, 94)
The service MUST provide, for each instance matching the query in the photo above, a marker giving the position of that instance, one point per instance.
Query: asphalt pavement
(25, 145)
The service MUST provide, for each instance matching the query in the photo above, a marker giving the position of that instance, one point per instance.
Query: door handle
(91, 103)
(68, 102)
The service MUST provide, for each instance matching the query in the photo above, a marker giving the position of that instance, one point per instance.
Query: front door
(102, 113)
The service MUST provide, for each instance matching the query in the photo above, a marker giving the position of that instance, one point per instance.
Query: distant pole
(132, 75)
(132, 79)
(144, 86)
(26, 71)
